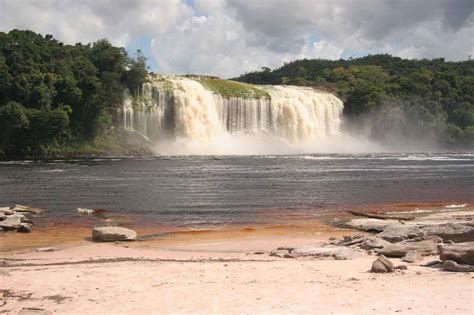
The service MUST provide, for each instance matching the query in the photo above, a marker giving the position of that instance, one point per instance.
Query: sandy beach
(228, 272)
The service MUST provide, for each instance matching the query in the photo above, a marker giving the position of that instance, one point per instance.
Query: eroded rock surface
(112, 234)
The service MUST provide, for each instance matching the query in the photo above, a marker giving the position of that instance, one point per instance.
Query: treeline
(52, 94)
(435, 94)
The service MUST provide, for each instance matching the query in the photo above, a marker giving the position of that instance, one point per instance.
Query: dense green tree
(59, 93)
(13, 120)
(435, 95)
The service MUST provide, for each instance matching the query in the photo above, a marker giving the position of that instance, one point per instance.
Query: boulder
(450, 265)
(412, 256)
(400, 249)
(112, 234)
(382, 265)
(11, 222)
(462, 253)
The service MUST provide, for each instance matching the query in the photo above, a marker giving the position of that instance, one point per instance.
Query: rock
(327, 252)
(457, 232)
(20, 208)
(352, 240)
(288, 256)
(24, 228)
(11, 222)
(84, 211)
(432, 263)
(382, 265)
(462, 253)
(112, 234)
(426, 237)
(374, 243)
(400, 249)
(412, 256)
(450, 265)
(279, 253)
(2, 216)
(401, 267)
(33, 311)
(397, 232)
(47, 249)
(289, 249)
(369, 225)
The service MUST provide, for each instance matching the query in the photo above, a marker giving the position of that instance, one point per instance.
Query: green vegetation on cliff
(227, 88)
(54, 95)
(434, 94)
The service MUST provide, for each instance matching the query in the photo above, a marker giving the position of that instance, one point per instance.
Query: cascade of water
(182, 107)
(302, 113)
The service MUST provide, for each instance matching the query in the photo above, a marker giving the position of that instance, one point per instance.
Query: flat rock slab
(369, 225)
(10, 222)
(400, 249)
(457, 232)
(33, 311)
(20, 208)
(328, 252)
(112, 234)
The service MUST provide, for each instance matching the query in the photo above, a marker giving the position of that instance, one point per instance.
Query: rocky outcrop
(319, 252)
(18, 218)
(112, 234)
(369, 225)
(462, 253)
(400, 249)
(457, 232)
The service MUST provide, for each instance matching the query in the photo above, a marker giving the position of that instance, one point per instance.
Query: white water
(186, 118)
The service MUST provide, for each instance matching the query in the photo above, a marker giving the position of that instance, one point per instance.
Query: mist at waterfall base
(189, 119)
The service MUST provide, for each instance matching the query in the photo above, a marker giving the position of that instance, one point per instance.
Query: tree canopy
(52, 94)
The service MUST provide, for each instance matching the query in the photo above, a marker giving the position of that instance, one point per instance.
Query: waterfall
(177, 107)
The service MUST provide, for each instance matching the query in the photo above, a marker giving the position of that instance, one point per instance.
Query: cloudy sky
(229, 37)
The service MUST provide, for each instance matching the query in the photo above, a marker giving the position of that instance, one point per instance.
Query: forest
(435, 95)
(54, 95)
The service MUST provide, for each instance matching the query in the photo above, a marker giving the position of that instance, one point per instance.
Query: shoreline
(228, 271)
(76, 229)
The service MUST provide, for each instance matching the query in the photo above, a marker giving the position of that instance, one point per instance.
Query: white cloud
(229, 37)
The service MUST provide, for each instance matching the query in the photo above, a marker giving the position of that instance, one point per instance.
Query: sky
(229, 37)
